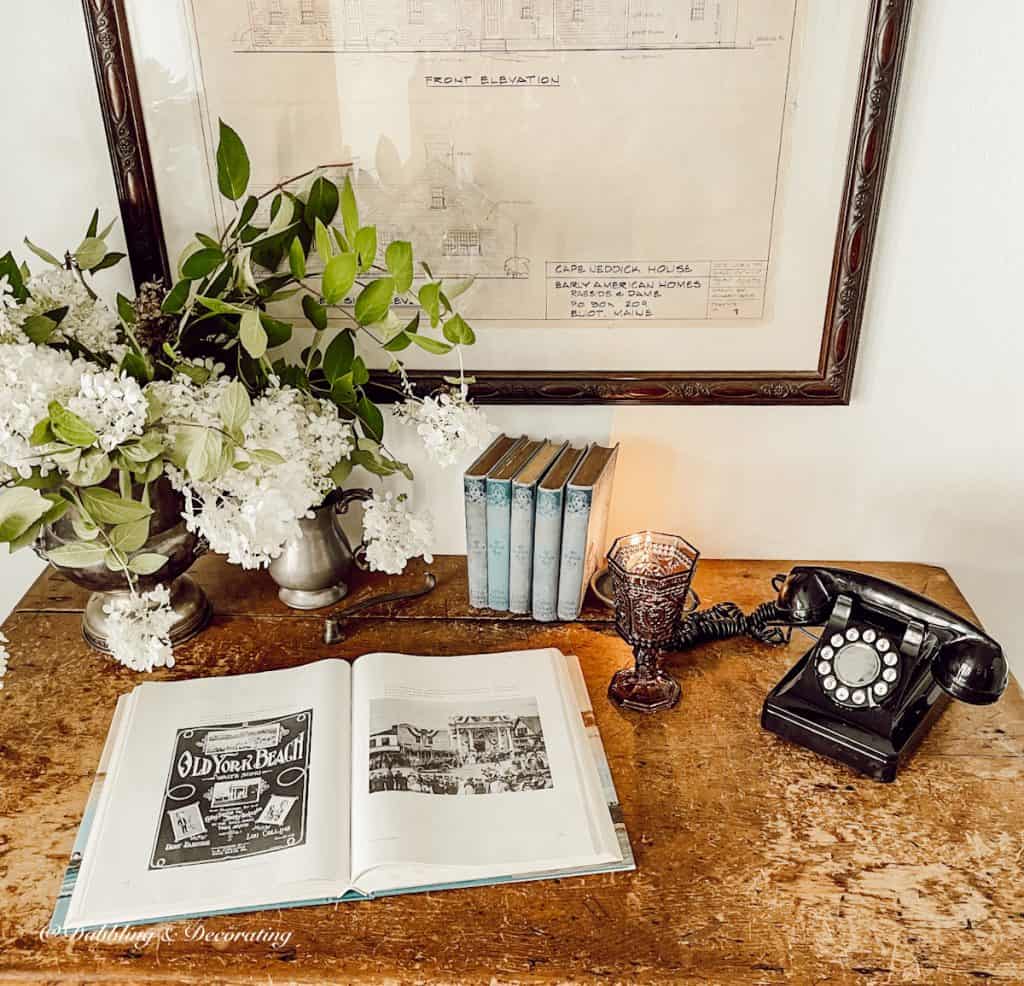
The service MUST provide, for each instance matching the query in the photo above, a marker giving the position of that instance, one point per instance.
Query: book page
(470, 765)
(223, 793)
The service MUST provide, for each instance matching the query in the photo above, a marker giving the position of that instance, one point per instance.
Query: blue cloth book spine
(575, 527)
(521, 548)
(547, 550)
(476, 540)
(499, 521)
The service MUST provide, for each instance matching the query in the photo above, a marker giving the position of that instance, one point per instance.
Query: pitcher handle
(341, 501)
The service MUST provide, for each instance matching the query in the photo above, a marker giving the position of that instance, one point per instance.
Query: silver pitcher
(313, 569)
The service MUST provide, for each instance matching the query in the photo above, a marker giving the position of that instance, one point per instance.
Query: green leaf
(232, 164)
(252, 334)
(323, 243)
(278, 332)
(235, 406)
(204, 456)
(400, 342)
(297, 259)
(343, 391)
(315, 312)
(457, 330)
(90, 252)
(339, 276)
(349, 210)
(398, 258)
(39, 328)
(105, 232)
(125, 309)
(84, 527)
(201, 263)
(77, 554)
(430, 300)
(109, 260)
(339, 355)
(42, 254)
(220, 307)
(9, 269)
(360, 374)
(339, 238)
(70, 428)
(366, 247)
(266, 457)
(372, 419)
(42, 433)
(341, 472)
(20, 508)
(434, 346)
(147, 563)
(374, 300)
(127, 538)
(94, 223)
(91, 469)
(136, 367)
(106, 507)
(176, 298)
(322, 202)
(248, 211)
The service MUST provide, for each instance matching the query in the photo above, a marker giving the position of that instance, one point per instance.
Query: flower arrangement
(197, 384)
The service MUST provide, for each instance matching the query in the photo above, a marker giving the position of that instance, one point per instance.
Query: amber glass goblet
(651, 575)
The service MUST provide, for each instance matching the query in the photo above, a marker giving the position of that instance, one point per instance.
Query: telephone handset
(881, 672)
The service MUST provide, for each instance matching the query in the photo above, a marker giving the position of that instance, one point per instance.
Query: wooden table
(758, 861)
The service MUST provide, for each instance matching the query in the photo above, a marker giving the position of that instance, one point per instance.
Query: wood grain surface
(758, 861)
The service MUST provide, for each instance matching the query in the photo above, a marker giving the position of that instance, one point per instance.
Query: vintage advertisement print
(489, 747)
(235, 790)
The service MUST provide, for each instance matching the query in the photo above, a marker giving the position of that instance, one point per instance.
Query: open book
(334, 780)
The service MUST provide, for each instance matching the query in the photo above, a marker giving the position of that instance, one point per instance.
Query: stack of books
(536, 518)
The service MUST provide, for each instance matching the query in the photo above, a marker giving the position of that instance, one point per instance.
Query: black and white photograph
(457, 748)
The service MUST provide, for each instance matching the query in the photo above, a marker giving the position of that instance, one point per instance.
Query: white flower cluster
(448, 425)
(4, 658)
(114, 406)
(249, 515)
(394, 534)
(139, 629)
(88, 322)
(30, 377)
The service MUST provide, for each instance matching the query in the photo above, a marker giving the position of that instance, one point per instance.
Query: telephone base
(878, 757)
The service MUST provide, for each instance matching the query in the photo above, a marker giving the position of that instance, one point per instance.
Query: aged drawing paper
(595, 164)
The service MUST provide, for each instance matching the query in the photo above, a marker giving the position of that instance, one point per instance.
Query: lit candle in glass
(651, 574)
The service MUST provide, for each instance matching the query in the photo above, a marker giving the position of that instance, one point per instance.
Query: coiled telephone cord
(725, 620)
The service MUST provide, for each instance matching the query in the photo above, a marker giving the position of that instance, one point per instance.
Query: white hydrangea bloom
(30, 377)
(249, 515)
(4, 658)
(139, 629)
(448, 425)
(114, 406)
(89, 322)
(393, 534)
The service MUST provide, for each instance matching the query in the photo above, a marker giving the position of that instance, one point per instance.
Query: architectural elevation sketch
(613, 163)
(489, 25)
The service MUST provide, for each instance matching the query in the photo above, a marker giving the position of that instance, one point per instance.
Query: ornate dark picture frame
(830, 383)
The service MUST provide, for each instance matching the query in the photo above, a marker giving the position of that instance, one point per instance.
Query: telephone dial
(884, 667)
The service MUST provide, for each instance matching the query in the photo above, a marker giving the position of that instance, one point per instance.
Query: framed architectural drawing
(662, 201)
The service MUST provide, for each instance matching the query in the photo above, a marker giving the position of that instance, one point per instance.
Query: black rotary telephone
(885, 666)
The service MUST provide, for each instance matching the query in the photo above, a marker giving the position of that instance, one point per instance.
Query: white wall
(927, 464)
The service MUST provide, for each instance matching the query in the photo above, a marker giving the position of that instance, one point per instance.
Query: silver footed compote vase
(313, 569)
(168, 536)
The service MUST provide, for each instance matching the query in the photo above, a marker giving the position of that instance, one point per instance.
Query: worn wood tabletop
(758, 862)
